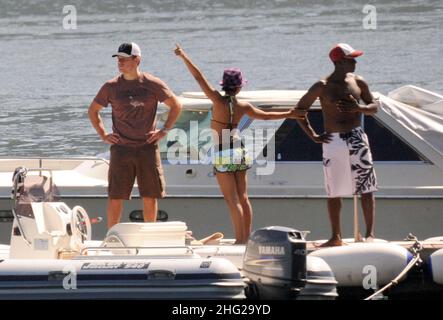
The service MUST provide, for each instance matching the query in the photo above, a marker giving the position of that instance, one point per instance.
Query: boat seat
(149, 234)
(34, 189)
(51, 217)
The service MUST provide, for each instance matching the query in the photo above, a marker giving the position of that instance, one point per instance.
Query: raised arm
(257, 113)
(209, 91)
(304, 104)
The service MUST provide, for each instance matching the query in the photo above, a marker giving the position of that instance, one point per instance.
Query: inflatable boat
(51, 256)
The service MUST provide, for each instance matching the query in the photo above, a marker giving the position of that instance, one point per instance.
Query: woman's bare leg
(242, 192)
(228, 188)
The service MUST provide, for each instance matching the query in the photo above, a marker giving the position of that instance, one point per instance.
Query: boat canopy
(421, 113)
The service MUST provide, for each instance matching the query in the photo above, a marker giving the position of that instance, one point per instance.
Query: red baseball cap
(343, 51)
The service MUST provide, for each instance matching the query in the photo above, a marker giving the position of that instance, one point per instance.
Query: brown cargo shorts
(130, 162)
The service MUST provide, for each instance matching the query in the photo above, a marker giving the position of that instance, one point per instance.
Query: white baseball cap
(127, 50)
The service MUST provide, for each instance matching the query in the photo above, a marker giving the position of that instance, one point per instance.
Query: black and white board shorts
(347, 164)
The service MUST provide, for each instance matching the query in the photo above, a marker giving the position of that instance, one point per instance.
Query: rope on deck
(415, 249)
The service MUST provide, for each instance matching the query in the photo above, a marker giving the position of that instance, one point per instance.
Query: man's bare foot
(369, 239)
(330, 243)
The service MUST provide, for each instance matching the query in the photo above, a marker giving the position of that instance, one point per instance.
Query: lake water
(50, 74)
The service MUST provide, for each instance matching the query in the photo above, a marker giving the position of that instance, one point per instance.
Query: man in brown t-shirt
(134, 96)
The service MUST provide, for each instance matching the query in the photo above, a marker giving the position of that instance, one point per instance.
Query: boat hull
(136, 278)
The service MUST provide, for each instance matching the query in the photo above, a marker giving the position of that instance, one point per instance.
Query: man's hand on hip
(155, 136)
(322, 138)
(111, 138)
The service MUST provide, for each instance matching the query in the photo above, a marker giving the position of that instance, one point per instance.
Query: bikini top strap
(231, 111)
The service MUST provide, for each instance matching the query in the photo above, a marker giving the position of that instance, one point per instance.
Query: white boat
(51, 256)
(406, 137)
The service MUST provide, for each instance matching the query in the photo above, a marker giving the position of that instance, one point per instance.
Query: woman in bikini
(226, 114)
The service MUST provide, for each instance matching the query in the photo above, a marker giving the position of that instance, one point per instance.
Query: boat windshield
(190, 139)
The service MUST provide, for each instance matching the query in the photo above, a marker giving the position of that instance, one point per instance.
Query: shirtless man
(347, 159)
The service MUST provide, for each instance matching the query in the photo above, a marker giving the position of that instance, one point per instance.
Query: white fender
(353, 264)
(436, 265)
(434, 239)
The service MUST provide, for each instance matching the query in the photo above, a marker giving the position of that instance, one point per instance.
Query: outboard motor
(320, 281)
(275, 263)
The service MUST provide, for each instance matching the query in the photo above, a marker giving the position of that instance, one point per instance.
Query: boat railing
(86, 251)
(40, 161)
